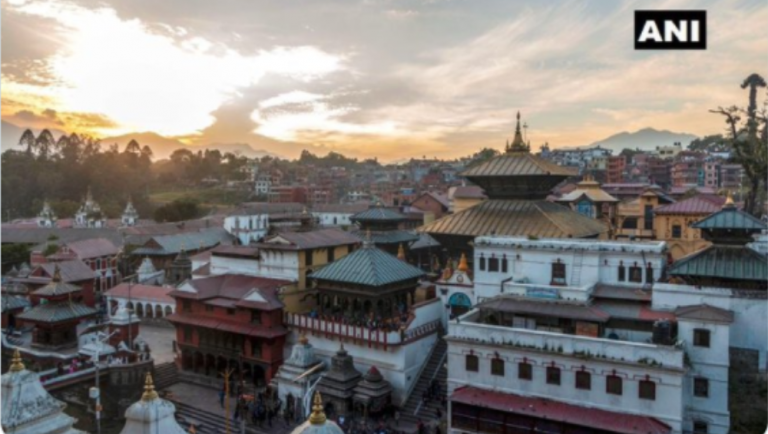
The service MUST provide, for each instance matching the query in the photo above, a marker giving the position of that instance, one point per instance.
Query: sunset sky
(385, 78)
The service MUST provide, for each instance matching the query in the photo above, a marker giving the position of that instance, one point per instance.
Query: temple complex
(371, 395)
(57, 314)
(590, 200)
(90, 215)
(517, 184)
(46, 218)
(130, 216)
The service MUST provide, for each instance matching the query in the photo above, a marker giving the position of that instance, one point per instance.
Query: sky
(390, 79)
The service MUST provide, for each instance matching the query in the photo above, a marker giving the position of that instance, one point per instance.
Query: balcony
(579, 293)
(608, 350)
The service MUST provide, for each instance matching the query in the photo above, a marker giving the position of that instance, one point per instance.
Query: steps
(211, 423)
(166, 375)
(413, 410)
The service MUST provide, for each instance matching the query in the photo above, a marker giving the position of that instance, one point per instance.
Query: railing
(569, 345)
(581, 293)
(357, 334)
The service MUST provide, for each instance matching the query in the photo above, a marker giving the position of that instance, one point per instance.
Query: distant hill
(646, 139)
(163, 147)
(12, 133)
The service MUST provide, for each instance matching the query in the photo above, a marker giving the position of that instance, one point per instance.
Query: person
(397, 417)
(222, 392)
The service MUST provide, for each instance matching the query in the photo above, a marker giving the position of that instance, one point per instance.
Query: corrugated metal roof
(56, 312)
(730, 218)
(36, 235)
(518, 164)
(517, 217)
(425, 241)
(11, 302)
(547, 308)
(593, 194)
(727, 262)
(704, 312)
(377, 213)
(142, 292)
(701, 204)
(388, 237)
(173, 244)
(368, 266)
(309, 240)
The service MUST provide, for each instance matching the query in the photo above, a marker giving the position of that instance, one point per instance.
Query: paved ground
(160, 340)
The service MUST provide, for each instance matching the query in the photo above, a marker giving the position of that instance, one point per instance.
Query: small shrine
(384, 227)
(296, 374)
(318, 423)
(27, 408)
(148, 274)
(46, 218)
(57, 314)
(130, 216)
(151, 414)
(373, 394)
(338, 384)
(589, 200)
(89, 215)
(180, 269)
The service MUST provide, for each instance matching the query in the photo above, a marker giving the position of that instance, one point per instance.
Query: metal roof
(37, 235)
(71, 271)
(558, 309)
(368, 266)
(727, 262)
(730, 218)
(173, 244)
(425, 241)
(388, 237)
(701, 204)
(593, 194)
(314, 239)
(517, 217)
(518, 164)
(704, 312)
(11, 302)
(377, 213)
(57, 312)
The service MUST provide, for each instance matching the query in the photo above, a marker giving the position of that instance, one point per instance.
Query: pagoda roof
(518, 163)
(12, 302)
(704, 312)
(699, 204)
(730, 218)
(727, 262)
(537, 218)
(368, 266)
(57, 312)
(389, 237)
(57, 286)
(378, 213)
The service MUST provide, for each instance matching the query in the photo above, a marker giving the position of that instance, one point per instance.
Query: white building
(130, 216)
(337, 215)
(263, 184)
(46, 218)
(560, 334)
(252, 221)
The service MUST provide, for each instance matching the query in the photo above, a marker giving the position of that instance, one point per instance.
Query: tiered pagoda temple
(57, 314)
(517, 184)
(372, 394)
(338, 384)
(384, 227)
(728, 262)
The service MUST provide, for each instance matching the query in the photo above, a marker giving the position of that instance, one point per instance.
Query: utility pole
(96, 392)
(226, 374)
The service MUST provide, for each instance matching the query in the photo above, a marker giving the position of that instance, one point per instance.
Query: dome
(373, 375)
(317, 422)
(151, 414)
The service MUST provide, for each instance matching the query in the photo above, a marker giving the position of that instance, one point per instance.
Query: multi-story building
(252, 221)
(98, 253)
(635, 218)
(288, 194)
(672, 223)
(731, 176)
(614, 172)
(658, 171)
(263, 184)
(669, 152)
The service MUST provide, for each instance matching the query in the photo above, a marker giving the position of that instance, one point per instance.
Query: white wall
(333, 218)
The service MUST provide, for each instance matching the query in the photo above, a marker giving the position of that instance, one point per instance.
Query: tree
(28, 140)
(749, 142)
(713, 143)
(178, 210)
(45, 144)
(132, 147)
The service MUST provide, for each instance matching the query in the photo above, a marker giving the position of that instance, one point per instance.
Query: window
(647, 390)
(701, 338)
(187, 334)
(613, 385)
(701, 387)
(493, 265)
(186, 306)
(635, 274)
(553, 375)
(649, 274)
(308, 257)
(497, 367)
(331, 254)
(629, 223)
(648, 217)
(504, 264)
(583, 380)
(471, 363)
(208, 308)
(677, 231)
(524, 371)
(700, 427)
(255, 317)
(622, 273)
(230, 311)
(255, 348)
(558, 273)
(482, 263)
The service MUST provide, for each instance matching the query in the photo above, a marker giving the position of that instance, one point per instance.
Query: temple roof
(518, 164)
(368, 266)
(340, 380)
(727, 262)
(730, 218)
(57, 286)
(57, 312)
(517, 217)
(395, 236)
(590, 189)
(11, 302)
(315, 239)
(378, 213)
(700, 204)
(151, 414)
(317, 422)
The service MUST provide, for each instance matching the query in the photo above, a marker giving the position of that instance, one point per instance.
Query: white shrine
(89, 215)
(151, 414)
(130, 216)
(46, 218)
(297, 375)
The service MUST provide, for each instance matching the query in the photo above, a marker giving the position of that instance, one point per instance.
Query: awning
(614, 422)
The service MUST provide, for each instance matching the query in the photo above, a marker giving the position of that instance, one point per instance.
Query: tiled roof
(730, 218)
(242, 328)
(556, 411)
(388, 237)
(247, 291)
(377, 213)
(309, 240)
(549, 308)
(140, 292)
(700, 204)
(727, 262)
(71, 271)
(93, 248)
(517, 217)
(56, 312)
(368, 266)
(517, 164)
(704, 312)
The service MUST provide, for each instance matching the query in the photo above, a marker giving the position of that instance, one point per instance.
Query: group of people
(259, 409)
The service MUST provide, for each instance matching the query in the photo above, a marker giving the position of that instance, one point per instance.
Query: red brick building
(288, 194)
(230, 321)
(614, 172)
(97, 253)
(435, 203)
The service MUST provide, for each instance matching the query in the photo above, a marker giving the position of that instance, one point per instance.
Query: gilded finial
(318, 415)
(17, 364)
(149, 389)
(728, 200)
(463, 266)
(401, 252)
(518, 144)
(303, 339)
(192, 429)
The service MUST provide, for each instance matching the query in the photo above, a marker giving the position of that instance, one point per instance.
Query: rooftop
(92, 248)
(378, 213)
(157, 294)
(368, 266)
(314, 239)
(700, 204)
(727, 262)
(560, 243)
(246, 291)
(730, 218)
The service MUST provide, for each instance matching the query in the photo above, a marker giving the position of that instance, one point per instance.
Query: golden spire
(303, 339)
(318, 415)
(728, 200)
(448, 272)
(401, 252)
(518, 144)
(149, 389)
(463, 266)
(17, 364)
(192, 429)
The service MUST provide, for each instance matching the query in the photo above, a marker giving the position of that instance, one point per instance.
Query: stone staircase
(166, 375)
(206, 422)
(414, 410)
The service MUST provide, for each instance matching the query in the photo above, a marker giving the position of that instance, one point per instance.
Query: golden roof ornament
(17, 365)
(149, 389)
(303, 339)
(318, 415)
(518, 144)
(728, 200)
(463, 266)
(401, 252)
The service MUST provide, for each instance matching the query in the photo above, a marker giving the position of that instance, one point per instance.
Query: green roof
(730, 218)
(389, 237)
(368, 266)
(726, 262)
(377, 213)
(56, 312)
